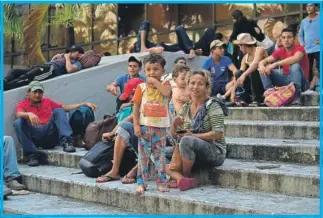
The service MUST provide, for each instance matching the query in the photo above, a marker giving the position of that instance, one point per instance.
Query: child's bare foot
(156, 50)
(192, 54)
(140, 189)
(162, 187)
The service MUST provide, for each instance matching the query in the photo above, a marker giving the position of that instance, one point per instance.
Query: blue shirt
(219, 72)
(309, 32)
(60, 65)
(123, 79)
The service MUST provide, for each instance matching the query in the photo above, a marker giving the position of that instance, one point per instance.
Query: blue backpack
(80, 118)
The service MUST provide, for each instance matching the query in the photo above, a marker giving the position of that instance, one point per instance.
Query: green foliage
(12, 22)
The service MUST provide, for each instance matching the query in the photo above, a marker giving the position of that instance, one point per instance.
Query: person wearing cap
(249, 64)
(60, 64)
(242, 25)
(219, 66)
(128, 92)
(309, 37)
(134, 67)
(286, 65)
(42, 122)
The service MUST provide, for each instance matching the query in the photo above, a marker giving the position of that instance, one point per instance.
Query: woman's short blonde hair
(207, 76)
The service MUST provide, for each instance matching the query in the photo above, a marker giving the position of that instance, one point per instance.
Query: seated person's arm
(243, 67)
(233, 69)
(296, 58)
(109, 135)
(75, 106)
(261, 52)
(267, 60)
(112, 88)
(58, 56)
(31, 117)
(70, 68)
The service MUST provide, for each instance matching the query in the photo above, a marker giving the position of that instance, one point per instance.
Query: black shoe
(78, 141)
(42, 158)
(33, 160)
(68, 146)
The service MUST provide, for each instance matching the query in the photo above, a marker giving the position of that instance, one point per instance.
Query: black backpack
(98, 160)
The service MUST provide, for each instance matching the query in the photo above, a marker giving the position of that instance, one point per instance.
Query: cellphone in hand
(181, 131)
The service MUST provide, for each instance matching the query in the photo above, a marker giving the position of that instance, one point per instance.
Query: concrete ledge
(289, 179)
(204, 200)
(37, 203)
(272, 129)
(282, 150)
(279, 114)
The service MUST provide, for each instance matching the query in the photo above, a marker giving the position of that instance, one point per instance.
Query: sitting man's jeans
(277, 78)
(11, 170)
(47, 136)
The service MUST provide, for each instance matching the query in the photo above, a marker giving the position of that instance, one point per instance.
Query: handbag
(280, 96)
(176, 162)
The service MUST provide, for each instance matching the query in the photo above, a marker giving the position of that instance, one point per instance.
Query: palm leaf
(12, 22)
(31, 29)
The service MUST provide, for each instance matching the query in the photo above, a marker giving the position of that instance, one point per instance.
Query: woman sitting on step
(200, 127)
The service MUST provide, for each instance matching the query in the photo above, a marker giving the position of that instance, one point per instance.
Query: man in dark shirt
(59, 65)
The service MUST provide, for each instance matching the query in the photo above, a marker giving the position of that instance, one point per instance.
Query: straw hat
(245, 39)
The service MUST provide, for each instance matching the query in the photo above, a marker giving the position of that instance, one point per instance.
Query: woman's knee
(186, 145)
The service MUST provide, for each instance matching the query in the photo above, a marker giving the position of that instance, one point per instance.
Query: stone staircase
(272, 167)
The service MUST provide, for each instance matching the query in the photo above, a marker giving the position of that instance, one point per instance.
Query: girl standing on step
(151, 118)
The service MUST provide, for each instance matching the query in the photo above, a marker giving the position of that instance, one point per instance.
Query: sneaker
(6, 192)
(33, 160)
(68, 146)
(15, 185)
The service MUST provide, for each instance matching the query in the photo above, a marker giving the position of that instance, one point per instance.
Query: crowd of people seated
(181, 112)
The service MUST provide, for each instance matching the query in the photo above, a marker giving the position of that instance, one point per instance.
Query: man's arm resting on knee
(296, 58)
(67, 108)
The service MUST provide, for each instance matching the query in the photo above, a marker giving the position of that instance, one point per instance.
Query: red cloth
(282, 54)
(44, 110)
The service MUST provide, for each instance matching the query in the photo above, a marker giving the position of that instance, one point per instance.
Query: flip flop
(106, 178)
(128, 180)
(172, 184)
(186, 183)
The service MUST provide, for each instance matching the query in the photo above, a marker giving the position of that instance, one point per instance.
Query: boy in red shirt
(42, 122)
(292, 63)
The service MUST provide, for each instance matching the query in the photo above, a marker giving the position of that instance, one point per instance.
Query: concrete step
(283, 150)
(38, 203)
(267, 113)
(310, 99)
(272, 129)
(203, 200)
(289, 179)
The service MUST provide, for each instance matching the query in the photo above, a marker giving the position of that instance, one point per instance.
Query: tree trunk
(70, 34)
